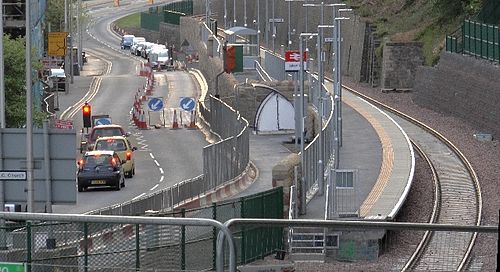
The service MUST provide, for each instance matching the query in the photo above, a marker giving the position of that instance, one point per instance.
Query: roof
(108, 126)
(111, 138)
(100, 152)
(240, 30)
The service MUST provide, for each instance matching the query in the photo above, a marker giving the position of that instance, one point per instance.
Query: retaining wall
(462, 86)
(399, 65)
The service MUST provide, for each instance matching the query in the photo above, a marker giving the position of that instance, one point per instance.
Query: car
(100, 168)
(135, 41)
(57, 77)
(126, 41)
(122, 146)
(159, 57)
(138, 48)
(87, 140)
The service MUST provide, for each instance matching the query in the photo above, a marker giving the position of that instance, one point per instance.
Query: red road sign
(294, 56)
(63, 124)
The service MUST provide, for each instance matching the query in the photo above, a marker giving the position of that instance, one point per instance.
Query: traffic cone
(143, 124)
(175, 125)
(192, 124)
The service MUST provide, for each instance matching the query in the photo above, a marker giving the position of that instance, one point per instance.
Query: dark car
(87, 140)
(100, 168)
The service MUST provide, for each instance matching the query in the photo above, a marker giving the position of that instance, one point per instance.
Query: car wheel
(128, 174)
(133, 171)
(118, 185)
(80, 188)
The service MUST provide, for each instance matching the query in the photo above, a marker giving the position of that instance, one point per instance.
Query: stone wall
(209, 66)
(462, 86)
(283, 175)
(399, 65)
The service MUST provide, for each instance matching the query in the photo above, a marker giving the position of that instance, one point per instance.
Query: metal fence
(107, 246)
(476, 39)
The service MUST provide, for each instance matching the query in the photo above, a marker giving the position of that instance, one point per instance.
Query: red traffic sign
(63, 124)
(294, 56)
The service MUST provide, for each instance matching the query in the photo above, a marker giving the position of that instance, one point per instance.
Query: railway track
(457, 198)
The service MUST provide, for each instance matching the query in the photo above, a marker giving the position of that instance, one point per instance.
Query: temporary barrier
(175, 125)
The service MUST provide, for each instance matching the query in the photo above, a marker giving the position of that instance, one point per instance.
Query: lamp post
(29, 118)
(289, 19)
(321, 59)
(225, 14)
(234, 12)
(245, 13)
(302, 117)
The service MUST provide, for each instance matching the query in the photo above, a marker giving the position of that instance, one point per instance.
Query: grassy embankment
(410, 20)
(130, 21)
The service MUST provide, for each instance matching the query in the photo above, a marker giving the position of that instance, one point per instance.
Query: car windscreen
(97, 160)
(111, 144)
(128, 39)
(103, 132)
(163, 54)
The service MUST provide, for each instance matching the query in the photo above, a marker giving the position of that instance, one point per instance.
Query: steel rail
(435, 210)
(474, 179)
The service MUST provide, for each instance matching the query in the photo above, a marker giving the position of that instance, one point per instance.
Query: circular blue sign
(103, 121)
(187, 104)
(155, 104)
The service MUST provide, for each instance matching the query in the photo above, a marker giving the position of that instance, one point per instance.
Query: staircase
(307, 244)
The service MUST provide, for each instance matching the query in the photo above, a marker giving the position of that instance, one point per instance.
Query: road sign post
(12, 267)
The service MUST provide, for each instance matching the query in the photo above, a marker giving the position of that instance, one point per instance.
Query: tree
(15, 82)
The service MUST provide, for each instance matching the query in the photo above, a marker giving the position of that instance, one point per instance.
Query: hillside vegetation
(427, 21)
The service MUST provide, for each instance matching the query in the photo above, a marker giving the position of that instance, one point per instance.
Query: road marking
(157, 164)
(141, 195)
(161, 179)
(161, 170)
(154, 187)
(152, 156)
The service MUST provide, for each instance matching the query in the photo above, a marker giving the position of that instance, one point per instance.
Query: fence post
(28, 245)
(137, 248)
(85, 246)
(183, 242)
(243, 236)
(214, 237)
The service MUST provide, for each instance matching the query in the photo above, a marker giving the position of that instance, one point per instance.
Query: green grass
(133, 20)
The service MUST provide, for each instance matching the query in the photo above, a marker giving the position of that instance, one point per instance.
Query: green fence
(57, 246)
(169, 13)
(476, 39)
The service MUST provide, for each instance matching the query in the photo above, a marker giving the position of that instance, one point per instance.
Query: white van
(135, 41)
(126, 41)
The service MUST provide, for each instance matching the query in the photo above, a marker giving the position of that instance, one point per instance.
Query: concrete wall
(399, 64)
(462, 86)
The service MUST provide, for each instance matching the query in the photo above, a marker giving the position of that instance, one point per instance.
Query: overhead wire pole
(302, 118)
(29, 117)
(225, 14)
(79, 30)
(3, 238)
(66, 55)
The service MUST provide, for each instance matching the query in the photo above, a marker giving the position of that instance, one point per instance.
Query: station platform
(380, 154)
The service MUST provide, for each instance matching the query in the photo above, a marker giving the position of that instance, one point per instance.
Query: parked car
(136, 41)
(122, 146)
(126, 41)
(100, 168)
(87, 140)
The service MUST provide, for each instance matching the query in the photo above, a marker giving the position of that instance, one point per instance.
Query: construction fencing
(98, 246)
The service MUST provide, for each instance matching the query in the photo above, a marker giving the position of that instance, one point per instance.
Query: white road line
(152, 156)
(157, 164)
(161, 170)
(161, 179)
(154, 187)
(141, 195)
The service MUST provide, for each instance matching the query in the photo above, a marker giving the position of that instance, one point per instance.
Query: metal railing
(264, 76)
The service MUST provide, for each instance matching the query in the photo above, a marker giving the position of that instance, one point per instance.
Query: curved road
(165, 156)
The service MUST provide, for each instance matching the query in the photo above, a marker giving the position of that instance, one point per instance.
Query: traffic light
(87, 114)
(230, 59)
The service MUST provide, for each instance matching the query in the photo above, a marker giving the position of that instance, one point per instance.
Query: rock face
(464, 87)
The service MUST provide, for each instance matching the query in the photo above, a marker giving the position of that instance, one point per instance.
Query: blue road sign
(103, 121)
(187, 104)
(155, 103)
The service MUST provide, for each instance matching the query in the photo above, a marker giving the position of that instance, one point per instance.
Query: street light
(289, 19)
